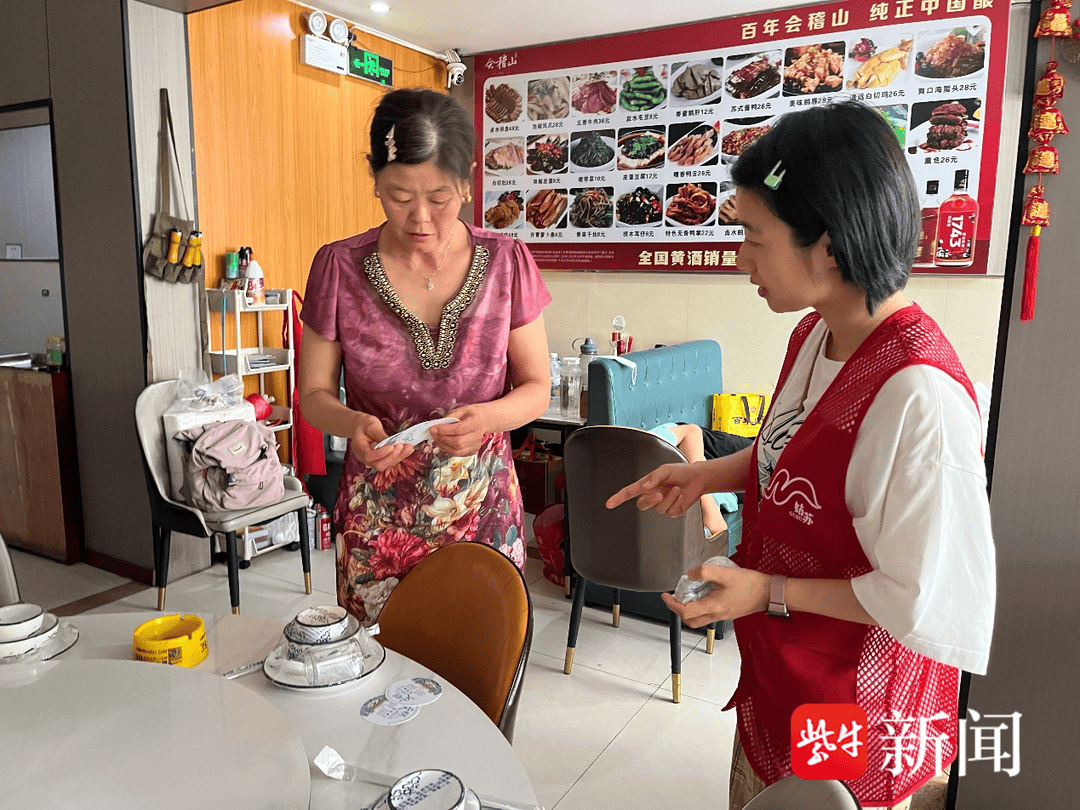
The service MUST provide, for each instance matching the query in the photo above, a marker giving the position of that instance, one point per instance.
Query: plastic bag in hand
(690, 590)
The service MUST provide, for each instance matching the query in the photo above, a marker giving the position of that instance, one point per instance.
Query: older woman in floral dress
(428, 317)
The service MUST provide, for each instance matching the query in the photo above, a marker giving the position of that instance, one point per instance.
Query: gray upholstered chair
(9, 586)
(170, 515)
(793, 792)
(623, 548)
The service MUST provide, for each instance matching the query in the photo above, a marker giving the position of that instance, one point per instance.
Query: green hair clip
(773, 179)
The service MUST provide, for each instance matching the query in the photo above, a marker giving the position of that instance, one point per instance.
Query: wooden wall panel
(280, 147)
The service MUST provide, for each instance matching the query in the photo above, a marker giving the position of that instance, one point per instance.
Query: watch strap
(777, 603)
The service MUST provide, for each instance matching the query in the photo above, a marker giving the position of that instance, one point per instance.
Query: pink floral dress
(403, 372)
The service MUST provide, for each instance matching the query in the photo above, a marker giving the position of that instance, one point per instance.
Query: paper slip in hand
(383, 712)
(414, 692)
(415, 434)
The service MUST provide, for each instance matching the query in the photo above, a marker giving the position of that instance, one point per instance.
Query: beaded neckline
(433, 354)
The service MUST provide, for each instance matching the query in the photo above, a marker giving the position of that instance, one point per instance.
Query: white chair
(170, 515)
(9, 586)
(793, 793)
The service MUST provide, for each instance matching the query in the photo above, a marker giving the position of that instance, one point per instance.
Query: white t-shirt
(916, 488)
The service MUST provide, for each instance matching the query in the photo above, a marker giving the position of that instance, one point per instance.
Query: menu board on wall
(616, 153)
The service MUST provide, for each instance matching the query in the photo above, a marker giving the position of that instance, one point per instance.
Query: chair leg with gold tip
(234, 572)
(305, 547)
(616, 607)
(575, 624)
(710, 638)
(161, 562)
(675, 631)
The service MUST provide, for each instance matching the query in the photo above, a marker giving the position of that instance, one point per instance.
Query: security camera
(455, 69)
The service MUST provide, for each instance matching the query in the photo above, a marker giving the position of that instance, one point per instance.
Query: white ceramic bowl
(38, 639)
(318, 625)
(20, 620)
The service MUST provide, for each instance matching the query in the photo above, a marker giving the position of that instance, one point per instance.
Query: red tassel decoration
(1031, 276)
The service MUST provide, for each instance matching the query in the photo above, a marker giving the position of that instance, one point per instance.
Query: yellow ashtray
(175, 639)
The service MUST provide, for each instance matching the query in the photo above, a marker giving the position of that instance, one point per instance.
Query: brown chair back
(623, 547)
(464, 612)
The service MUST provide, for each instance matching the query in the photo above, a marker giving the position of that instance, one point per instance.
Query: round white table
(451, 734)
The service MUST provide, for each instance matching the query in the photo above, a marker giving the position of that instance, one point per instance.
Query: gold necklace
(438, 267)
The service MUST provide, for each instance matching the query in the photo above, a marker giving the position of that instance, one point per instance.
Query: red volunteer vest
(801, 527)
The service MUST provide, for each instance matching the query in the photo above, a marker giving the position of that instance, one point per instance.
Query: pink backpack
(231, 465)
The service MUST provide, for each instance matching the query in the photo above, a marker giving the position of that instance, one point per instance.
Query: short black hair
(427, 126)
(844, 173)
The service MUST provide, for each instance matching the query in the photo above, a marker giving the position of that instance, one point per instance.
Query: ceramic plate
(291, 674)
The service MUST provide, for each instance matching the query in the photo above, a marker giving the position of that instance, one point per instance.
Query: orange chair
(464, 612)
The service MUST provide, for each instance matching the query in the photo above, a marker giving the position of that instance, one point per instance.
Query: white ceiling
(474, 27)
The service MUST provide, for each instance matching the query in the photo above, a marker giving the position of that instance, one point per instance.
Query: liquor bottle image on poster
(924, 257)
(956, 221)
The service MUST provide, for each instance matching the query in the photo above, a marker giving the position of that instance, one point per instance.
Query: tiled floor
(606, 736)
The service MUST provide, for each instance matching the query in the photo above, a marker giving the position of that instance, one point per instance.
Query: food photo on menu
(592, 151)
(643, 88)
(504, 156)
(813, 69)
(502, 102)
(594, 93)
(945, 125)
(549, 98)
(950, 54)
(641, 148)
(592, 207)
(639, 206)
(876, 63)
(691, 204)
(545, 208)
(547, 153)
(740, 133)
(697, 83)
(693, 144)
(755, 75)
(504, 210)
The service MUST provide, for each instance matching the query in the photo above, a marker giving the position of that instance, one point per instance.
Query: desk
(451, 734)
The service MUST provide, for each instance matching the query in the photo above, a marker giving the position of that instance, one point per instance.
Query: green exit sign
(367, 65)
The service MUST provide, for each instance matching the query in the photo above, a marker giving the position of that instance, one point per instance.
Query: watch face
(339, 31)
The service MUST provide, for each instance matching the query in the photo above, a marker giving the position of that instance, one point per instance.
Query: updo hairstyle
(427, 126)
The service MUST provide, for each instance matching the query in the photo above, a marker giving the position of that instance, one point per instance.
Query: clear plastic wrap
(690, 590)
(199, 393)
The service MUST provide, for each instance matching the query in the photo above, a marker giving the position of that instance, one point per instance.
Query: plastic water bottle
(556, 382)
(570, 391)
(589, 351)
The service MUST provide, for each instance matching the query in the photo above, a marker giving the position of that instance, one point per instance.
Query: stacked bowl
(28, 631)
(323, 646)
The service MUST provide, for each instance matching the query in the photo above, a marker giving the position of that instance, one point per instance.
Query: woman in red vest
(867, 564)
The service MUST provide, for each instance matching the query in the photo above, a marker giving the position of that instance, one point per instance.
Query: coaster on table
(414, 692)
(383, 712)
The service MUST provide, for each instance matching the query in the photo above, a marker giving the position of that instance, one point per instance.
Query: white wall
(27, 198)
(27, 316)
(673, 308)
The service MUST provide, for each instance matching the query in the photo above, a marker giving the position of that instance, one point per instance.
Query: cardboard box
(178, 418)
(537, 480)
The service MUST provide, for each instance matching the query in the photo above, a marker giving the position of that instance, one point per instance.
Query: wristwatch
(777, 606)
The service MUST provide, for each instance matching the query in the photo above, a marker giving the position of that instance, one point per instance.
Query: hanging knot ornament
(1042, 159)
(1046, 122)
(1037, 215)
(1050, 88)
(1036, 208)
(1055, 21)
